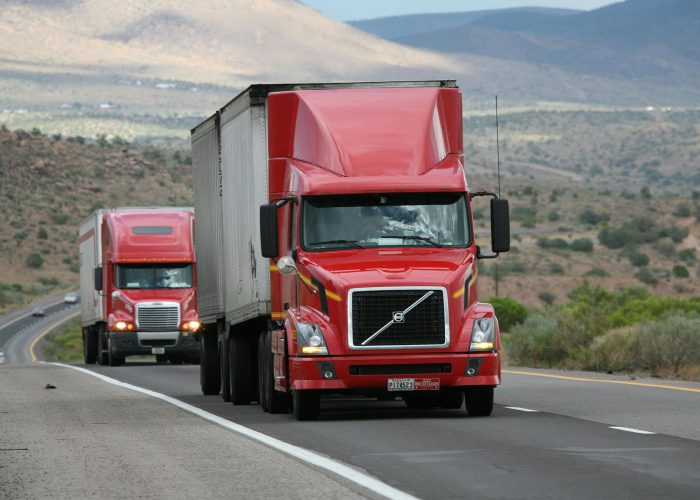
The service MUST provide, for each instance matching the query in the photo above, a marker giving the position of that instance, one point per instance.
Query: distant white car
(70, 298)
(38, 311)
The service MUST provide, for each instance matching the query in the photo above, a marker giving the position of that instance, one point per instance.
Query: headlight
(310, 339)
(190, 326)
(483, 335)
(123, 326)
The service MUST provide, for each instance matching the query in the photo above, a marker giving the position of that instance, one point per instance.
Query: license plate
(413, 384)
(158, 350)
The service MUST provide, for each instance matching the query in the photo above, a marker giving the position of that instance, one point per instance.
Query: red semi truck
(337, 250)
(137, 276)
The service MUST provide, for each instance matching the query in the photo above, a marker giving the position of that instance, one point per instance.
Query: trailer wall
(89, 235)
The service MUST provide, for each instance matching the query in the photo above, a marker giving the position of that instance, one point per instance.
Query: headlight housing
(310, 339)
(123, 326)
(190, 326)
(483, 335)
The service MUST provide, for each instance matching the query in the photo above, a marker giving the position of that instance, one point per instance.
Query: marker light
(483, 331)
(310, 339)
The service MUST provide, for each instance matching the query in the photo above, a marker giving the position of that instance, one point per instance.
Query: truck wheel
(89, 346)
(102, 349)
(224, 364)
(420, 401)
(209, 372)
(277, 402)
(451, 398)
(262, 372)
(307, 404)
(240, 370)
(479, 401)
(114, 359)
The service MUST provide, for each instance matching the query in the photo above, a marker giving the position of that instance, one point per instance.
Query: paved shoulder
(86, 438)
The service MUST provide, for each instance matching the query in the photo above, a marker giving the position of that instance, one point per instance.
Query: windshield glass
(159, 276)
(403, 219)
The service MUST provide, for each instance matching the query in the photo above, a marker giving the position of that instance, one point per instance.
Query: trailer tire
(307, 404)
(209, 369)
(89, 346)
(479, 401)
(102, 348)
(224, 365)
(240, 370)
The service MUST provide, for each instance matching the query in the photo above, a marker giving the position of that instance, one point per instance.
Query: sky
(349, 10)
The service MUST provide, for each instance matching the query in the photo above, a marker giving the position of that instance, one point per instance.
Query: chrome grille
(424, 325)
(158, 317)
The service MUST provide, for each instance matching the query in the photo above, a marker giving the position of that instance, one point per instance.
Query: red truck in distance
(137, 285)
(335, 225)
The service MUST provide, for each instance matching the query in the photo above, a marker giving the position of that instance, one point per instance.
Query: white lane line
(303, 454)
(629, 429)
(517, 408)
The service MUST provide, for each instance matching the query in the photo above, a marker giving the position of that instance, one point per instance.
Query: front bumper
(373, 371)
(133, 343)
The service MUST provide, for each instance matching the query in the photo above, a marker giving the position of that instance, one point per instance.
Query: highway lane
(565, 447)
(19, 329)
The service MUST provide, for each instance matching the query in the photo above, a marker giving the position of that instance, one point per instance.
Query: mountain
(174, 55)
(653, 41)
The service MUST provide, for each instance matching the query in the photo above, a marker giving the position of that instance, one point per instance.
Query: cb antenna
(498, 151)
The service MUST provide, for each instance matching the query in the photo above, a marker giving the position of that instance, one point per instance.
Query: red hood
(345, 269)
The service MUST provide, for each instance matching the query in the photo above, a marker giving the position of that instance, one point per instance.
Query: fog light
(326, 370)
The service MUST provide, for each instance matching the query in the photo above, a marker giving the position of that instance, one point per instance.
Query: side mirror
(268, 231)
(286, 265)
(98, 278)
(500, 225)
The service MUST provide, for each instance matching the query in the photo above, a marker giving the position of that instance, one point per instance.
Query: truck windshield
(394, 219)
(149, 276)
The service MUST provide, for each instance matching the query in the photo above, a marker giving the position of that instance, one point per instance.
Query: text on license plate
(413, 384)
(158, 350)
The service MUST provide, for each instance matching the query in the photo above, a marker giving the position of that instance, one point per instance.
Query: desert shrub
(637, 259)
(42, 234)
(547, 297)
(617, 350)
(553, 216)
(682, 210)
(59, 218)
(589, 216)
(680, 271)
(646, 276)
(531, 343)
(555, 268)
(687, 255)
(597, 272)
(638, 230)
(35, 260)
(676, 233)
(509, 312)
(670, 343)
(49, 281)
(556, 243)
(582, 245)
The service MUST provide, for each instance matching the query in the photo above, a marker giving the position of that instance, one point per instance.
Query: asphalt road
(19, 329)
(565, 446)
(552, 434)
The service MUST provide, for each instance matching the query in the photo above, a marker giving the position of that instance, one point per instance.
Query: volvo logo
(398, 316)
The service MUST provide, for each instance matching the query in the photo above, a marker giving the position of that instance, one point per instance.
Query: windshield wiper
(350, 243)
(419, 238)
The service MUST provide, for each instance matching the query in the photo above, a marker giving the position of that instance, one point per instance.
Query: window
(148, 276)
(394, 219)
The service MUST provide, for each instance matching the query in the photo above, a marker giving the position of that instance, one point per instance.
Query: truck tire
(479, 401)
(89, 346)
(262, 372)
(307, 404)
(102, 348)
(224, 365)
(209, 371)
(451, 398)
(240, 370)
(113, 359)
(277, 402)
